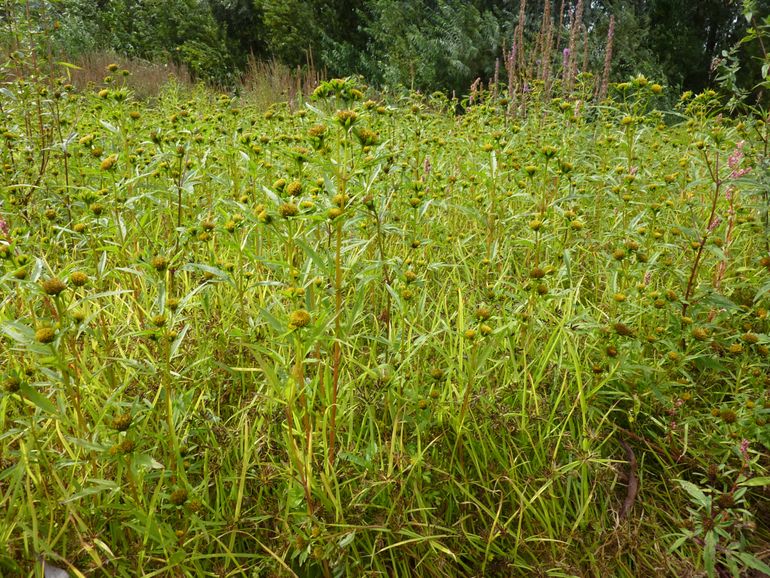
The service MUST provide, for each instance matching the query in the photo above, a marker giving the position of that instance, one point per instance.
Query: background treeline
(422, 44)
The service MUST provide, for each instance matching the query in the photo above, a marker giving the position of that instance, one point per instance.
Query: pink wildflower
(734, 161)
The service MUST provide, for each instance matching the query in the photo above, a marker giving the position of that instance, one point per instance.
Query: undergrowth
(380, 338)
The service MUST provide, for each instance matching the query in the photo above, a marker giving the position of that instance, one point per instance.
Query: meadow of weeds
(355, 337)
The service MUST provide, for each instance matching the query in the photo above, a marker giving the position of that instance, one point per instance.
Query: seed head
(160, 263)
(12, 384)
(265, 217)
(674, 356)
(122, 422)
(437, 373)
(125, 447)
(317, 132)
(294, 189)
(750, 338)
(109, 162)
(700, 334)
(623, 330)
(78, 278)
(178, 497)
(340, 199)
(346, 118)
(53, 286)
(549, 151)
(45, 335)
(299, 319)
(728, 415)
(483, 313)
(288, 210)
(536, 224)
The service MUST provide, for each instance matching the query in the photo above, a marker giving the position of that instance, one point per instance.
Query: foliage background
(423, 44)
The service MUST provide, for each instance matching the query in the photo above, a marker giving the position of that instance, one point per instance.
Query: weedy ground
(381, 338)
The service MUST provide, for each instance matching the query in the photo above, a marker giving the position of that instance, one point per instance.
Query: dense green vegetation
(423, 44)
(357, 337)
(378, 332)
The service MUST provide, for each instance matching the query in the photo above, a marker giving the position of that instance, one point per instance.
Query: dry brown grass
(267, 82)
(145, 78)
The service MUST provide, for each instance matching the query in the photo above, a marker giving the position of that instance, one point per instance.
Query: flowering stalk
(607, 61)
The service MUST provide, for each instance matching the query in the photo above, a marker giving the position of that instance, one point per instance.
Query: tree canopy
(425, 44)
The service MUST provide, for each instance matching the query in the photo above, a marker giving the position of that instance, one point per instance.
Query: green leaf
(148, 462)
(720, 301)
(678, 543)
(69, 65)
(695, 492)
(37, 398)
(717, 252)
(96, 487)
(347, 539)
(754, 482)
(18, 332)
(710, 554)
(753, 562)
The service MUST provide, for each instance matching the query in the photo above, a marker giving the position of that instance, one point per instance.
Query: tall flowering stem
(607, 61)
(712, 224)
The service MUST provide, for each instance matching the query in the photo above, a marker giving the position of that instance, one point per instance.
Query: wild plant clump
(381, 338)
